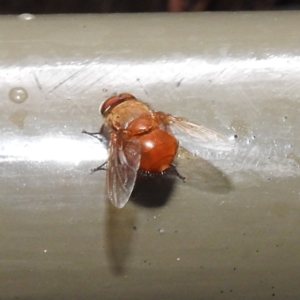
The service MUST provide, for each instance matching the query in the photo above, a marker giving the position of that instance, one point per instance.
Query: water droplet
(161, 231)
(18, 95)
(26, 17)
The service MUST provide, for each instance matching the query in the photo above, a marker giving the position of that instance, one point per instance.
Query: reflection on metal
(26, 17)
(221, 70)
(60, 149)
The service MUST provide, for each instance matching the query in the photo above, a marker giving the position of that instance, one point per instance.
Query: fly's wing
(192, 136)
(122, 166)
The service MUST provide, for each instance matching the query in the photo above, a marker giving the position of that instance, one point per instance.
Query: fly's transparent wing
(192, 136)
(122, 166)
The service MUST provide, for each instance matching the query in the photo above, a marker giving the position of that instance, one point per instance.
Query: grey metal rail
(229, 232)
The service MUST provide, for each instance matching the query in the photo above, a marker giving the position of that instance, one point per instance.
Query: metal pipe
(230, 231)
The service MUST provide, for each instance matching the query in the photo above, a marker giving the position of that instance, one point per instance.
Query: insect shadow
(120, 225)
(202, 175)
(154, 191)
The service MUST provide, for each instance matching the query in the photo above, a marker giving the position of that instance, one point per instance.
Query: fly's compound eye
(113, 101)
(127, 96)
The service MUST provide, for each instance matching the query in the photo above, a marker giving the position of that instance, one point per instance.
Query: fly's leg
(96, 135)
(175, 171)
(100, 168)
(171, 169)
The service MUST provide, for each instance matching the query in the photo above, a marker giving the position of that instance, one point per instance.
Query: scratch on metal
(98, 79)
(249, 101)
(64, 81)
(37, 81)
(250, 153)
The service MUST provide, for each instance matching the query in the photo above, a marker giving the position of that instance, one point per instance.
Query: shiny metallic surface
(229, 232)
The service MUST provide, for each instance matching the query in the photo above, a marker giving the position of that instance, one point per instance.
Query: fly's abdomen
(158, 149)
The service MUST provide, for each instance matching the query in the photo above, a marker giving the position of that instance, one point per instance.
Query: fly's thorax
(141, 125)
(125, 112)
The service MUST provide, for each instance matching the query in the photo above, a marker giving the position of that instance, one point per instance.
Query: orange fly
(140, 138)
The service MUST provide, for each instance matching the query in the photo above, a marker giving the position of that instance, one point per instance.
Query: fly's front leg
(100, 168)
(99, 137)
(96, 135)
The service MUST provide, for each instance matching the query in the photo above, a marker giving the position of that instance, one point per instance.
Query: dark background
(111, 6)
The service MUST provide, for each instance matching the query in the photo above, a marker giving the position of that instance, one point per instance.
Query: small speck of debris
(235, 136)
(134, 228)
(179, 82)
